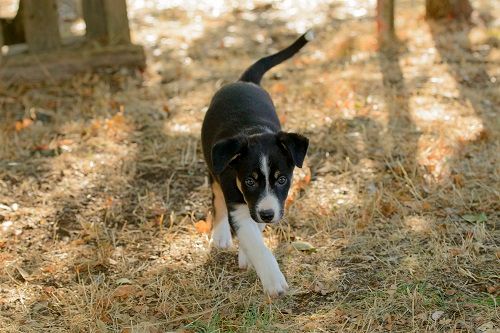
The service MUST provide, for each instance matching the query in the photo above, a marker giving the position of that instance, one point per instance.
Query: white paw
(243, 261)
(274, 283)
(221, 236)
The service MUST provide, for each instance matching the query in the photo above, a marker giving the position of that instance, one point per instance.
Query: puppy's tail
(255, 72)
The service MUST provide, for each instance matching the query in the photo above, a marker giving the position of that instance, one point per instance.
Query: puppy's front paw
(221, 236)
(243, 261)
(274, 283)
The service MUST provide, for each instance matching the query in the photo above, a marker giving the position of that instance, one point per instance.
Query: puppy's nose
(266, 215)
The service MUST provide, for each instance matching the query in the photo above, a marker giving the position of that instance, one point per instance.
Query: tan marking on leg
(221, 232)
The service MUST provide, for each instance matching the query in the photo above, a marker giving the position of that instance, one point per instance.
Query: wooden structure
(47, 56)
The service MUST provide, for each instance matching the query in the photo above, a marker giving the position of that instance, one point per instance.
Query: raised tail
(255, 72)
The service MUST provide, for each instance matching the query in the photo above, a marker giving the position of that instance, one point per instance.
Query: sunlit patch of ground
(102, 180)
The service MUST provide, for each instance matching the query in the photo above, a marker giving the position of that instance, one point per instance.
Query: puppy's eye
(250, 182)
(282, 180)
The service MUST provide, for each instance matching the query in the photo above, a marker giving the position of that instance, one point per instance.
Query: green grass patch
(253, 319)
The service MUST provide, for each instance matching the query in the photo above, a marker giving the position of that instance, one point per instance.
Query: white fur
(309, 36)
(243, 262)
(264, 167)
(221, 232)
(256, 253)
(269, 200)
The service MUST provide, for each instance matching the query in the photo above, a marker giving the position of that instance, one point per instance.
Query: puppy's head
(264, 165)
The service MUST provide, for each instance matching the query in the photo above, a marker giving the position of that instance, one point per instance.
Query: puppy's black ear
(225, 151)
(296, 145)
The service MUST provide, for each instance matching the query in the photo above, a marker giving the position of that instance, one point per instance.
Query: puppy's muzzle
(266, 215)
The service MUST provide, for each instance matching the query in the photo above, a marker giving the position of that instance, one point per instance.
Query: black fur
(240, 126)
(255, 72)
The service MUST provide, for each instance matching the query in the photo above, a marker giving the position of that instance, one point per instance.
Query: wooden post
(95, 20)
(41, 25)
(107, 21)
(385, 22)
(117, 22)
(37, 21)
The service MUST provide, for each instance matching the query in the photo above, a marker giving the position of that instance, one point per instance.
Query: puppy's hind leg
(221, 231)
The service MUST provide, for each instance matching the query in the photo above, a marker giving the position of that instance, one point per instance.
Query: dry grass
(100, 192)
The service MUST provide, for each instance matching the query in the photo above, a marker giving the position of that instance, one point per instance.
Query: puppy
(250, 162)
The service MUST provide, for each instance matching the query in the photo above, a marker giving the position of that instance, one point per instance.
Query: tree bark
(41, 24)
(452, 9)
(385, 22)
(107, 21)
(95, 20)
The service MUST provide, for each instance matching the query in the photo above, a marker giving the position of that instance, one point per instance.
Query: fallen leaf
(203, 226)
(387, 208)
(108, 202)
(65, 142)
(303, 246)
(51, 268)
(492, 289)
(475, 218)
(392, 290)
(488, 327)
(426, 206)
(22, 124)
(458, 180)
(450, 292)
(390, 322)
(113, 104)
(25, 275)
(125, 291)
(123, 281)
(436, 315)
(422, 316)
(101, 325)
(49, 289)
(278, 88)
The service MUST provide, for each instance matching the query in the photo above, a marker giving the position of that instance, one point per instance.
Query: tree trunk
(41, 25)
(453, 9)
(107, 21)
(385, 22)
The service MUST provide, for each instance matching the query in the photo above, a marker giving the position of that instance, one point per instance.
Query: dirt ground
(102, 181)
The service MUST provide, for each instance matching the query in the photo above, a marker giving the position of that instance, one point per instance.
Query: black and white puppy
(251, 161)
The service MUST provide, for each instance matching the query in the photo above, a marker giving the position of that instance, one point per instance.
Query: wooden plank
(117, 22)
(95, 20)
(41, 25)
(66, 63)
